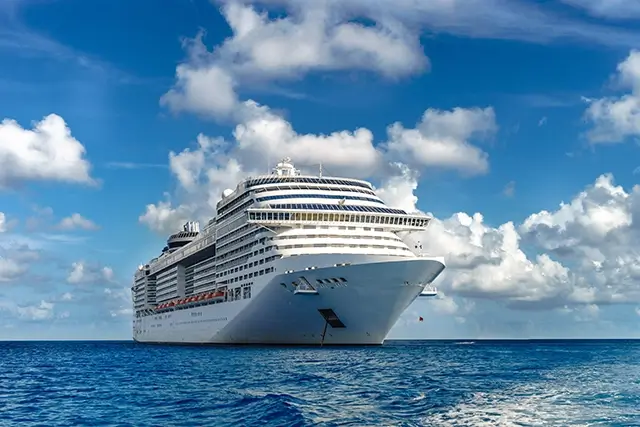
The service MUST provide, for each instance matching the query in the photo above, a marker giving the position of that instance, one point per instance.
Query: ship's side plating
(289, 259)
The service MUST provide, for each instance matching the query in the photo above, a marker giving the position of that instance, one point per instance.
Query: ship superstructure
(288, 259)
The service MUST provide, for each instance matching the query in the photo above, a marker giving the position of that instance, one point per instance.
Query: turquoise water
(403, 383)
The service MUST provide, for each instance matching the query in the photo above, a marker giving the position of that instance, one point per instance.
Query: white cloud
(201, 89)
(488, 262)
(397, 190)
(47, 152)
(81, 272)
(616, 118)
(441, 138)
(585, 254)
(118, 302)
(598, 231)
(445, 305)
(16, 255)
(216, 164)
(509, 189)
(77, 221)
(3, 222)
(494, 19)
(312, 38)
(42, 311)
(164, 218)
(10, 269)
(618, 9)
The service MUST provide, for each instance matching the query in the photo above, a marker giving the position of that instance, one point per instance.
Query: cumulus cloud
(10, 269)
(584, 254)
(76, 221)
(37, 312)
(82, 272)
(15, 258)
(599, 230)
(46, 152)
(3, 222)
(615, 118)
(312, 38)
(323, 36)
(441, 140)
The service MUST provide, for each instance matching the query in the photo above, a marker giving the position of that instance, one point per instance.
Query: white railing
(189, 249)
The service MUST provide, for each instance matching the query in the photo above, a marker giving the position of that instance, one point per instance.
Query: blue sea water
(402, 383)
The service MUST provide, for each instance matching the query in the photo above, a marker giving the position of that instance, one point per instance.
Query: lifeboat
(218, 294)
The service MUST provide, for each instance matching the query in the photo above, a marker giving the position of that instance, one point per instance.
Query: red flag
(420, 318)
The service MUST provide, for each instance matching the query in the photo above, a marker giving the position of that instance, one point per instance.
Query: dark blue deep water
(403, 383)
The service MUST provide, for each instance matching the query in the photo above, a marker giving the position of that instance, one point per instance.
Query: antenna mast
(320, 170)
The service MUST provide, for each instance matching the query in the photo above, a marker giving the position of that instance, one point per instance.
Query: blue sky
(515, 124)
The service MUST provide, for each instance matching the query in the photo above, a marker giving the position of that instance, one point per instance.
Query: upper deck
(286, 173)
(287, 198)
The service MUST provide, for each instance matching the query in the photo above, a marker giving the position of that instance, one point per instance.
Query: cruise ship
(289, 259)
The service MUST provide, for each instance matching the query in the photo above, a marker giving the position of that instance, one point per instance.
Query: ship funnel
(191, 227)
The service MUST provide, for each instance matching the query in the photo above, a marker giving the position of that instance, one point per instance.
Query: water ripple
(399, 384)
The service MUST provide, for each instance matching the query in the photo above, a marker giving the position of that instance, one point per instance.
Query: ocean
(402, 383)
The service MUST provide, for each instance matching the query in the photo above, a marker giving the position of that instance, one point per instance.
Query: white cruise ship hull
(371, 294)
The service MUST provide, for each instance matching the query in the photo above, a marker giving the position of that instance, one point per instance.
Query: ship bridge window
(314, 186)
(308, 180)
(319, 196)
(336, 207)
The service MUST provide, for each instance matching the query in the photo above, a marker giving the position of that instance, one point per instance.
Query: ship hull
(366, 297)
